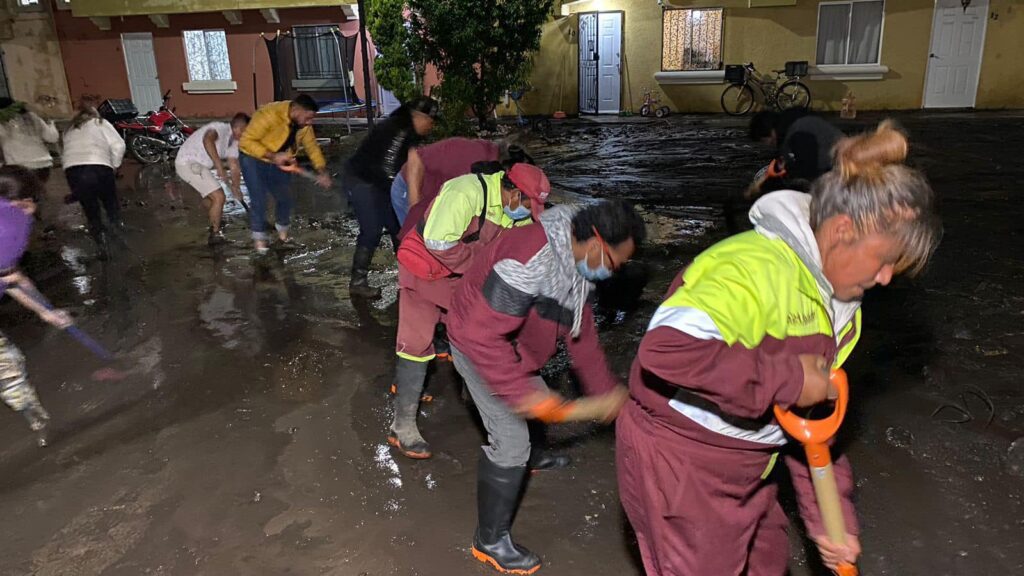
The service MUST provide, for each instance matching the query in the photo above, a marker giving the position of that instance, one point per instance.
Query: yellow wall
(1002, 64)
(769, 37)
(35, 69)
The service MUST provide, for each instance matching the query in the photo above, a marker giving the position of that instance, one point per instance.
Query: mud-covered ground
(248, 436)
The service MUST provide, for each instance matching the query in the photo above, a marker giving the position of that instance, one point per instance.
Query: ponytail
(865, 154)
(870, 184)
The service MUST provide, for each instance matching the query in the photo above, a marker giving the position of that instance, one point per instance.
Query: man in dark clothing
(804, 150)
(369, 174)
(525, 292)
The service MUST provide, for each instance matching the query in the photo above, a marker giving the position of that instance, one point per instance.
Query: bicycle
(781, 90)
(522, 120)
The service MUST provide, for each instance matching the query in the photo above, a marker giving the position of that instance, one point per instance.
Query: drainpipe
(367, 89)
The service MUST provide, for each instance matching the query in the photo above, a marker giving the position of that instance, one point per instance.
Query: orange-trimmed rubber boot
(404, 434)
(497, 499)
(416, 450)
(424, 398)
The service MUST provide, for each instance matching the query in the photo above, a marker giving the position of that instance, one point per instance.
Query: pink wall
(94, 62)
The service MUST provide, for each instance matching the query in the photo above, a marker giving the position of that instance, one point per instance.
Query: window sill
(848, 72)
(210, 87)
(318, 84)
(691, 77)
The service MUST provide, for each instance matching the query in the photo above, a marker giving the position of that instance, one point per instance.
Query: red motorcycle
(155, 136)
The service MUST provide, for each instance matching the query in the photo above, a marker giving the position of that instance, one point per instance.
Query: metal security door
(609, 41)
(4, 89)
(589, 58)
(142, 75)
(958, 35)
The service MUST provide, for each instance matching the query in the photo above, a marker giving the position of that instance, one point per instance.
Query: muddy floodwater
(248, 436)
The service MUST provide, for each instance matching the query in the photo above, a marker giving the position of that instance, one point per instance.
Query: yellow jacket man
(267, 156)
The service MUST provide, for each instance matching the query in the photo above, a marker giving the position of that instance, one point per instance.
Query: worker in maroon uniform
(756, 321)
(429, 167)
(529, 290)
(470, 212)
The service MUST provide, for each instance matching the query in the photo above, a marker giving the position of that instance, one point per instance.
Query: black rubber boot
(405, 434)
(541, 461)
(359, 286)
(442, 348)
(497, 499)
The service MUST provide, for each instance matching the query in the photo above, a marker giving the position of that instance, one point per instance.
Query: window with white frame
(691, 39)
(206, 52)
(850, 32)
(316, 52)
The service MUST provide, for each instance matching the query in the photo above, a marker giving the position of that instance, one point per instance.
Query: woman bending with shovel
(757, 321)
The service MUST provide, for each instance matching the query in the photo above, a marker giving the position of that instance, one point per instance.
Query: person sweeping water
(19, 189)
(756, 321)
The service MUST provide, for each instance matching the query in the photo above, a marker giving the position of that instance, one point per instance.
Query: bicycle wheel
(793, 94)
(737, 99)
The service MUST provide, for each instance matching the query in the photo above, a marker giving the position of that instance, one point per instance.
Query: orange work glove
(551, 408)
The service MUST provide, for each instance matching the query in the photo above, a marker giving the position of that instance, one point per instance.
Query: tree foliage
(481, 49)
(398, 68)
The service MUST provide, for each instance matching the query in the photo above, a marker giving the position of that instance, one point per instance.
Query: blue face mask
(520, 213)
(593, 274)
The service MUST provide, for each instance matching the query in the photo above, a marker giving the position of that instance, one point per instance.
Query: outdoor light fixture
(965, 4)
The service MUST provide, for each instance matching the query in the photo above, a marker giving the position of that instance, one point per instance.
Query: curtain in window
(691, 39)
(217, 54)
(206, 53)
(865, 32)
(195, 54)
(833, 32)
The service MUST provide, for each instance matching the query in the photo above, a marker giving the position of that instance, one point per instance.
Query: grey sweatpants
(508, 436)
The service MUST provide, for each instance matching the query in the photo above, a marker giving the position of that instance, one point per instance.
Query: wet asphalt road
(248, 436)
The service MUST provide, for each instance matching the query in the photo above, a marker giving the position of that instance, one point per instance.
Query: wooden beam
(101, 22)
(271, 16)
(160, 20)
(234, 17)
(351, 11)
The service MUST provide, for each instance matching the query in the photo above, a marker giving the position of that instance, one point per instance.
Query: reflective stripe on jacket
(753, 296)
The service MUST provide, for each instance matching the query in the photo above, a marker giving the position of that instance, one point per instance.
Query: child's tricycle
(649, 108)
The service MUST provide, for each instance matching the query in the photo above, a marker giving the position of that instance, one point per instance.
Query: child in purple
(19, 189)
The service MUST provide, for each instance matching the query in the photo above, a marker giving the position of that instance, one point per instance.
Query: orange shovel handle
(818, 431)
(814, 435)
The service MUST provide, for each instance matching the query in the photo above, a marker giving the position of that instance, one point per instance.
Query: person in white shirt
(202, 154)
(24, 137)
(93, 151)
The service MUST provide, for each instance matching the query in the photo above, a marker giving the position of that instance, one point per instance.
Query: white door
(954, 60)
(609, 41)
(141, 65)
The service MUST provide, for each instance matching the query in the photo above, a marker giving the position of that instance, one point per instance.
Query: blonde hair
(870, 184)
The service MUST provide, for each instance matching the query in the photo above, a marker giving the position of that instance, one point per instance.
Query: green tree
(480, 48)
(398, 68)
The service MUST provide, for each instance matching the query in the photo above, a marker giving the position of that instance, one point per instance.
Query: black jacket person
(369, 173)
